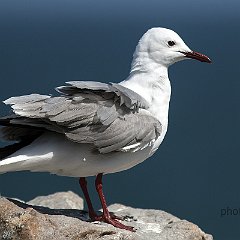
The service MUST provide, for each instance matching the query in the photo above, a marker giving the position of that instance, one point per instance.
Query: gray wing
(106, 115)
(126, 96)
(133, 132)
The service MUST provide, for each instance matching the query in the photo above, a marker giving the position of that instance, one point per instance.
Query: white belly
(54, 153)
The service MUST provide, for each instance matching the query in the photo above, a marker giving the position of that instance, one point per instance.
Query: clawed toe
(113, 220)
(95, 217)
(117, 224)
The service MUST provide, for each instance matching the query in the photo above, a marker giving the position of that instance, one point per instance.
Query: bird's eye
(171, 43)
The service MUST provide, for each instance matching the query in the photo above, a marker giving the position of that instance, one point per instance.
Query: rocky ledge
(57, 216)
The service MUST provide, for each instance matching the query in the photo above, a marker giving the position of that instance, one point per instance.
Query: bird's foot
(95, 217)
(111, 219)
(117, 224)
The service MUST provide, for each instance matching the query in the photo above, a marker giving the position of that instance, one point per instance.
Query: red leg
(106, 217)
(91, 212)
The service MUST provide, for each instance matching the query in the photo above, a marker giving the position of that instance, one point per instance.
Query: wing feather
(105, 115)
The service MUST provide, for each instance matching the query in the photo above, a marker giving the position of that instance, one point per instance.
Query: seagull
(92, 128)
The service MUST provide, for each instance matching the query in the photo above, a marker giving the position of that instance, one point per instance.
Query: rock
(60, 200)
(19, 220)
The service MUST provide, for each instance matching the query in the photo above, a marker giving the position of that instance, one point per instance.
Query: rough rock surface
(19, 220)
(60, 200)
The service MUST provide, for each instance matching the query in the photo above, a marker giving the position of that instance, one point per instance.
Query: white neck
(150, 80)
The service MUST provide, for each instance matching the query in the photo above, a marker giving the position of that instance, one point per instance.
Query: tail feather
(8, 163)
(12, 164)
(10, 149)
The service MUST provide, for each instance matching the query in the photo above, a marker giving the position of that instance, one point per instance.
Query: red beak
(197, 56)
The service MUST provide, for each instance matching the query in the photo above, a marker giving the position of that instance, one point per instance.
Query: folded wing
(105, 115)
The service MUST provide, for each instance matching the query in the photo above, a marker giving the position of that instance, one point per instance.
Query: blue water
(195, 173)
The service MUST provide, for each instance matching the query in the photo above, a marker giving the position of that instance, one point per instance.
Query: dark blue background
(195, 173)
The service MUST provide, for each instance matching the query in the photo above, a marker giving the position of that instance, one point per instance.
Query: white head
(163, 46)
